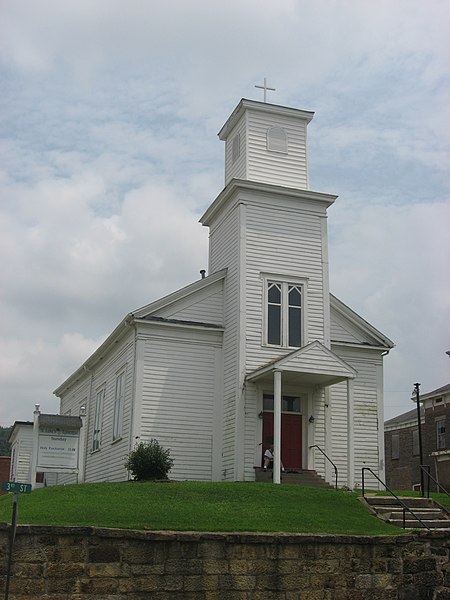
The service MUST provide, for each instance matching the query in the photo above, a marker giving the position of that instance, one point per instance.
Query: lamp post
(419, 429)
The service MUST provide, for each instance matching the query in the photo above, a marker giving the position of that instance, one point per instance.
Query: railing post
(402, 504)
(362, 480)
(439, 487)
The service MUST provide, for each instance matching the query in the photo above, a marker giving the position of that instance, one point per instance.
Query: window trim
(395, 447)
(415, 442)
(284, 281)
(98, 418)
(118, 405)
(441, 442)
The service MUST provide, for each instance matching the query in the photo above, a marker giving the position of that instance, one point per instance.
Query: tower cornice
(237, 185)
(266, 107)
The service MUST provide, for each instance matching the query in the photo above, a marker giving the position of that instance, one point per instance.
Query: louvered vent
(277, 140)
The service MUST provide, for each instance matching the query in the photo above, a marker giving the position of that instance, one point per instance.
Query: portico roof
(313, 364)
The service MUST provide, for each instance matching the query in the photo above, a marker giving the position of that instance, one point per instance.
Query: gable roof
(407, 419)
(438, 392)
(144, 314)
(374, 337)
(179, 294)
(312, 364)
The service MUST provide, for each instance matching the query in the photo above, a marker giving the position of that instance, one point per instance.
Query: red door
(291, 438)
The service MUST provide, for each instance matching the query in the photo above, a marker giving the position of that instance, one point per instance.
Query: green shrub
(149, 461)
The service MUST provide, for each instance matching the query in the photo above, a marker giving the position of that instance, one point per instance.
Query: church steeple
(266, 143)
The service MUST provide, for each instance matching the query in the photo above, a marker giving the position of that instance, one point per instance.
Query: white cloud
(391, 264)
(30, 368)
(109, 156)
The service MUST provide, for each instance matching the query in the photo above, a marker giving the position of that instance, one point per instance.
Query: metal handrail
(426, 469)
(329, 460)
(402, 504)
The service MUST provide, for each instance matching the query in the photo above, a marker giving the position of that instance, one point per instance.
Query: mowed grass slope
(198, 506)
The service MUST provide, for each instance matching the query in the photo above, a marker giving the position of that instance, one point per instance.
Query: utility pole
(419, 428)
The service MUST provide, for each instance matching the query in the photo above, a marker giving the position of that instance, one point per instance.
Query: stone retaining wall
(83, 563)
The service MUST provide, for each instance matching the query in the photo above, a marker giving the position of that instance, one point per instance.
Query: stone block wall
(90, 563)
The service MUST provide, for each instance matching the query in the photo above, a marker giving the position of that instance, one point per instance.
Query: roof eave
(350, 314)
(245, 104)
(256, 186)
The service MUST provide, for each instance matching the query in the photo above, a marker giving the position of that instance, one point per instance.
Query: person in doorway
(268, 458)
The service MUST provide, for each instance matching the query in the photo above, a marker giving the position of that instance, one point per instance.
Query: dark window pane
(295, 338)
(295, 298)
(274, 324)
(291, 404)
(267, 402)
(274, 295)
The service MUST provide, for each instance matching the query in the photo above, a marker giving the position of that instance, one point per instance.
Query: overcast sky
(109, 156)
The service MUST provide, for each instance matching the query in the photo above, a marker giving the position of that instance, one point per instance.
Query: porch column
(277, 427)
(34, 455)
(350, 436)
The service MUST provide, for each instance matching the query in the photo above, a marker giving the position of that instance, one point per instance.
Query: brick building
(402, 442)
(5, 462)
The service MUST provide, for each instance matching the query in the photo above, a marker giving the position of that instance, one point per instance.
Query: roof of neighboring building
(15, 427)
(442, 390)
(406, 419)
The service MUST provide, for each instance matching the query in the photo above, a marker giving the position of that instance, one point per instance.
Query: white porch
(314, 366)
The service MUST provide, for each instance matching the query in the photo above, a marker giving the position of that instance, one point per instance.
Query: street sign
(16, 487)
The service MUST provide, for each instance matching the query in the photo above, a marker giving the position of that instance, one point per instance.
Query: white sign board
(57, 448)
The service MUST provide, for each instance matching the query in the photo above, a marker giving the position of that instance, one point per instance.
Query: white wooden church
(257, 351)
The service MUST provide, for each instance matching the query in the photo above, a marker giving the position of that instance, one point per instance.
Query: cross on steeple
(265, 87)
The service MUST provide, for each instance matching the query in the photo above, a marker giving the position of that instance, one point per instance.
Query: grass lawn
(198, 506)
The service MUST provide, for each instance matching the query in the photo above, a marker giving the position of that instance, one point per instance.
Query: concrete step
(293, 477)
(397, 513)
(410, 501)
(414, 524)
(432, 514)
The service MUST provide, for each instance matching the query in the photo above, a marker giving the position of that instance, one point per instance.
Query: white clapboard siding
(21, 452)
(318, 411)
(70, 404)
(342, 330)
(286, 169)
(253, 430)
(285, 243)
(179, 399)
(205, 306)
(107, 463)
(236, 169)
(367, 398)
(224, 253)
(339, 420)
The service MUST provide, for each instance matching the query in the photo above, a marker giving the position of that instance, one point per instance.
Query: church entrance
(291, 430)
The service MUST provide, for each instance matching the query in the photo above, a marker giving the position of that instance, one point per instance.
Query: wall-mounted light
(311, 419)
(260, 415)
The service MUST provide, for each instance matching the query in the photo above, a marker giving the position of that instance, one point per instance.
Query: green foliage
(5, 446)
(149, 461)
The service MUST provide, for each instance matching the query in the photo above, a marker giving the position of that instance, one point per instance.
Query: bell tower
(266, 143)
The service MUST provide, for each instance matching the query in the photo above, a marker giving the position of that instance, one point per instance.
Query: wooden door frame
(305, 410)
